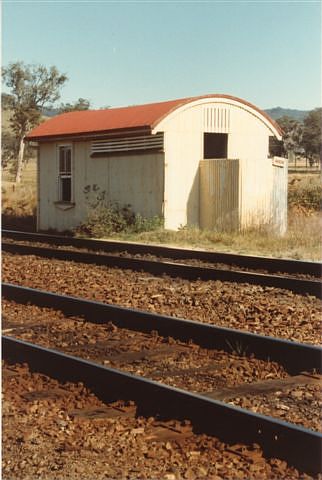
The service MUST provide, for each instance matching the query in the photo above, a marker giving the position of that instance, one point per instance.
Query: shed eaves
(90, 122)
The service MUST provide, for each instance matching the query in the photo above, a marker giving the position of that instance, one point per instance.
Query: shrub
(108, 218)
(305, 193)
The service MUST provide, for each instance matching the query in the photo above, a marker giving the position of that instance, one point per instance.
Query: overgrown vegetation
(106, 218)
(302, 240)
(19, 205)
(305, 192)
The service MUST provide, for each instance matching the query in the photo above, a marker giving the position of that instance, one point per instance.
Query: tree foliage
(80, 104)
(312, 131)
(31, 87)
(303, 137)
(292, 134)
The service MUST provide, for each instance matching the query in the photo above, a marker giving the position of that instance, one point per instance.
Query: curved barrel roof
(91, 122)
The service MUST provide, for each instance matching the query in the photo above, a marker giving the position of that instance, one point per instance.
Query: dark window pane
(65, 160)
(66, 189)
(275, 147)
(61, 161)
(215, 145)
(68, 160)
(68, 168)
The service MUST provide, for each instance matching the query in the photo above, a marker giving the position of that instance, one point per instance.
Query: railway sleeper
(267, 386)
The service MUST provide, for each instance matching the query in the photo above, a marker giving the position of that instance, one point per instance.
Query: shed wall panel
(255, 192)
(135, 180)
(183, 147)
(263, 195)
(279, 197)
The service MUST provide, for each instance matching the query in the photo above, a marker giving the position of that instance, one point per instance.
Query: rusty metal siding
(219, 194)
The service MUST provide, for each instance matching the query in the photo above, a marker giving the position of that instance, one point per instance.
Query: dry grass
(302, 240)
(19, 200)
(19, 203)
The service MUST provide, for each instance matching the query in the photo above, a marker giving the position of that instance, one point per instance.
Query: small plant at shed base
(109, 218)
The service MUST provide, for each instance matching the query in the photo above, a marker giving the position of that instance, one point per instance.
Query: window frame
(65, 173)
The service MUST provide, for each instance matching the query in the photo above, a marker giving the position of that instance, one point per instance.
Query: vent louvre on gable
(216, 119)
(126, 144)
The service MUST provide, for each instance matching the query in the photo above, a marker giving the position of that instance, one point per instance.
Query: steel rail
(248, 261)
(190, 272)
(295, 357)
(299, 446)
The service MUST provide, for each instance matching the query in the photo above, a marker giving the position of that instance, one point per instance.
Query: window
(275, 147)
(65, 174)
(215, 145)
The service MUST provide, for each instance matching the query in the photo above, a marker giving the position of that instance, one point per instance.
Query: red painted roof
(89, 122)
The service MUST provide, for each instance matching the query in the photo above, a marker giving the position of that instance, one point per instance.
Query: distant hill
(278, 112)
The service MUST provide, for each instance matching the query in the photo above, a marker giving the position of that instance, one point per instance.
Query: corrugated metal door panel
(219, 194)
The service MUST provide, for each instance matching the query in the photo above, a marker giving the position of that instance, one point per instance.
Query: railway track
(312, 286)
(313, 269)
(162, 336)
(295, 357)
(219, 363)
(234, 375)
(297, 446)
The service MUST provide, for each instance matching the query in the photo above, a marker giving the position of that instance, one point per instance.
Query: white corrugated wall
(243, 194)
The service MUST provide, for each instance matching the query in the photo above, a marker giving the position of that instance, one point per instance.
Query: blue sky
(124, 53)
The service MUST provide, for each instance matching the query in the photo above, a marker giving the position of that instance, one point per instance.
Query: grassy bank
(302, 240)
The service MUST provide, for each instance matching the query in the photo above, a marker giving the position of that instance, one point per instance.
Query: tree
(292, 133)
(80, 104)
(31, 87)
(312, 130)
